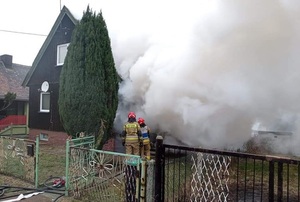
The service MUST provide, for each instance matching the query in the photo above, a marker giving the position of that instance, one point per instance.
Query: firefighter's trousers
(132, 148)
(145, 149)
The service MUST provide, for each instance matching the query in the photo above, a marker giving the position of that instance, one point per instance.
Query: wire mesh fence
(209, 177)
(150, 182)
(192, 174)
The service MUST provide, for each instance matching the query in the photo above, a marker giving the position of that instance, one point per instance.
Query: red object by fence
(13, 120)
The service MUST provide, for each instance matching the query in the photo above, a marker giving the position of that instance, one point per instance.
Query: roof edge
(64, 11)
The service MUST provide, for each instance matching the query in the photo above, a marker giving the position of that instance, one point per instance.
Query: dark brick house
(43, 80)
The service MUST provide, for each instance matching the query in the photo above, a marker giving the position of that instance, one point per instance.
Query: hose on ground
(48, 189)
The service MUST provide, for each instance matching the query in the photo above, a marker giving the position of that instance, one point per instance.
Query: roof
(11, 79)
(64, 11)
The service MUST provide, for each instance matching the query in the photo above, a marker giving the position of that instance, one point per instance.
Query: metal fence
(102, 176)
(95, 175)
(80, 142)
(195, 174)
(18, 158)
(34, 162)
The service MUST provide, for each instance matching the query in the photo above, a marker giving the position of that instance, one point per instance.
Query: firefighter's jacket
(145, 134)
(131, 132)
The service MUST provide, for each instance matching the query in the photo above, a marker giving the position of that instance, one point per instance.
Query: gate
(18, 158)
(96, 175)
(196, 174)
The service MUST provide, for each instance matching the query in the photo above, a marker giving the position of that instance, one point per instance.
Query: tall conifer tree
(88, 93)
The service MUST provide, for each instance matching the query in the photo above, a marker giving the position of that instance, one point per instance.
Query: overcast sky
(204, 71)
(29, 16)
(24, 25)
(35, 17)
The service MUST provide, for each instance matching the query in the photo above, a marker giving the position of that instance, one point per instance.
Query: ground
(52, 163)
(45, 197)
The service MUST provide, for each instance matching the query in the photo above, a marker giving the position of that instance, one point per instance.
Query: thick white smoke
(206, 71)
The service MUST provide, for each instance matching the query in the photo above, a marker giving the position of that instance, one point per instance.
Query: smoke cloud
(206, 71)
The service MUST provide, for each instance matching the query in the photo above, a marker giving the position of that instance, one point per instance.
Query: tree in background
(89, 83)
(9, 97)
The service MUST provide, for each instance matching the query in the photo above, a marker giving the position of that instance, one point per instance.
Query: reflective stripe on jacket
(131, 130)
(145, 134)
(146, 141)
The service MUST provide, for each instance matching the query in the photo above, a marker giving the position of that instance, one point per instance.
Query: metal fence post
(137, 173)
(150, 181)
(11, 130)
(280, 182)
(67, 167)
(143, 180)
(158, 169)
(37, 161)
(271, 181)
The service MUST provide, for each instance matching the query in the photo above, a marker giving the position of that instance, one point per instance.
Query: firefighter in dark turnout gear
(145, 130)
(131, 135)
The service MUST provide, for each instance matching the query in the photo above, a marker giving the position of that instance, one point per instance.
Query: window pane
(45, 101)
(61, 53)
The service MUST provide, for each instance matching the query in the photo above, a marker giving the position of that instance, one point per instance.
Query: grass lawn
(52, 162)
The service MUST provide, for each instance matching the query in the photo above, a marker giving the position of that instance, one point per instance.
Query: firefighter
(145, 130)
(131, 135)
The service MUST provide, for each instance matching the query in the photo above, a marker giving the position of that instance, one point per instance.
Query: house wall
(54, 137)
(60, 138)
(44, 120)
(47, 70)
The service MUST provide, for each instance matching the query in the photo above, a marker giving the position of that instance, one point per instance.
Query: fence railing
(81, 142)
(7, 123)
(102, 175)
(196, 174)
(92, 175)
(85, 142)
(96, 175)
(17, 131)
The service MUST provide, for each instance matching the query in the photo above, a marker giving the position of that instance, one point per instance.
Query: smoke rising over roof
(206, 71)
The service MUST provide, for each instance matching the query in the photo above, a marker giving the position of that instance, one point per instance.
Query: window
(45, 102)
(62, 50)
(44, 137)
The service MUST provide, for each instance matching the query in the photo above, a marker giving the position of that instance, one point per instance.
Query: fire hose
(53, 185)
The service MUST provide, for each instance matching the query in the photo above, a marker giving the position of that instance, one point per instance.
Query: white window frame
(60, 61)
(41, 102)
(44, 137)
